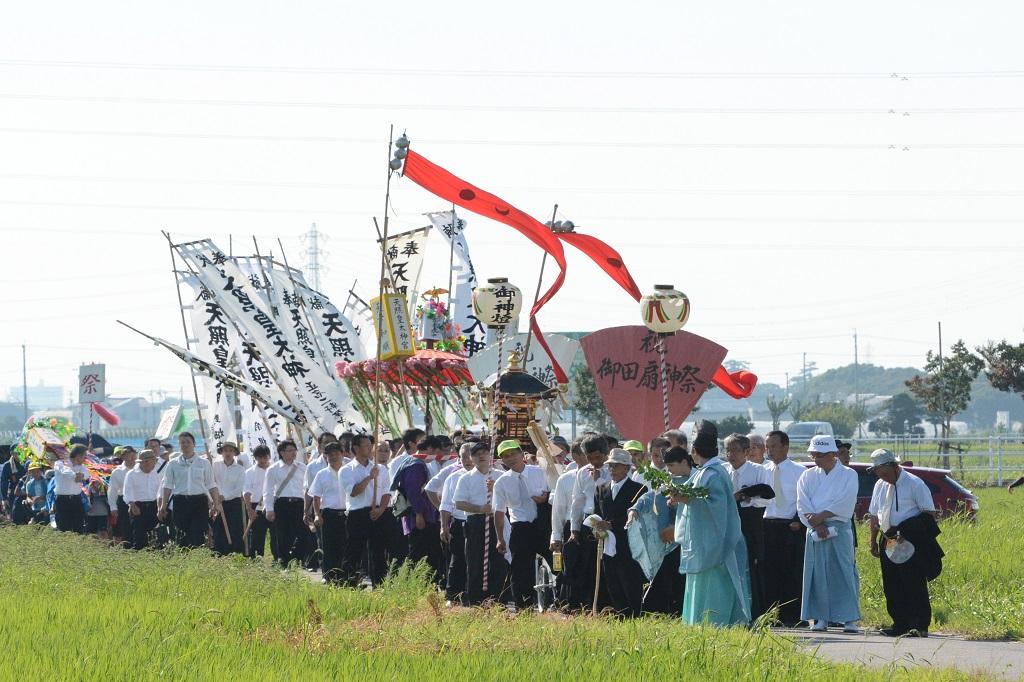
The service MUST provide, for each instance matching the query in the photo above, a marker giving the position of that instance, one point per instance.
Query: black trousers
(455, 586)
(290, 528)
(233, 514)
(191, 519)
(906, 594)
(497, 566)
(523, 545)
(398, 544)
(425, 545)
(585, 571)
(783, 567)
(332, 538)
(70, 513)
(122, 530)
(570, 594)
(143, 525)
(258, 534)
(368, 542)
(665, 593)
(752, 526)
(624, 578)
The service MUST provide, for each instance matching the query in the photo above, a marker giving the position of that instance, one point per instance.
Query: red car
(950, 497)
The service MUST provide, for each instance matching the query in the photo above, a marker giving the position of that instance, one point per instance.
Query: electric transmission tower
(315, 256)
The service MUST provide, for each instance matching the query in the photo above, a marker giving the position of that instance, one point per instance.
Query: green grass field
(80, 610)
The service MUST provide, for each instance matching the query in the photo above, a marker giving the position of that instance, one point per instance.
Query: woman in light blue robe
(713, 553)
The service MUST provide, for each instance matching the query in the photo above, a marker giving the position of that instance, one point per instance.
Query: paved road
(995, 659)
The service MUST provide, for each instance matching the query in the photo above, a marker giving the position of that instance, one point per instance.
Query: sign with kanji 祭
(624, 362)
(92, 384)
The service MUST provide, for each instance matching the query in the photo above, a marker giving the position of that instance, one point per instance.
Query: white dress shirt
(583, 490)
(140, 486)
(472, 488)
(436, 483)
(328, 487)
(115, 485)
(784, 477)
(65, 473)
(750, 473)
(354, 473)
(448, 494)
(192, 476)
(894, 504)
(276, 475)
(254, 478)
(514, 492)
(561, 502)
(230, 480)
(314, 467)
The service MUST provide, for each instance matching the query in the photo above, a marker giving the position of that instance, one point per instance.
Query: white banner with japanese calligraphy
(231, 380)
(332, 333)
(321, 400)
(357, 311)
(214, 338)
(453, 228)
(257, 422)
(404, 254)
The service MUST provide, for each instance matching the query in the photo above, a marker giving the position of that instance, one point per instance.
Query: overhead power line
(510, 73)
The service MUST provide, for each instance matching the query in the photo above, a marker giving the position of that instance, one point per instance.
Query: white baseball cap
(822, 444)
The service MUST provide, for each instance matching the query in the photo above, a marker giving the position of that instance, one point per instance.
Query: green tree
(738, 424)
(777, 406)
(945, 388)
(589, 404)
(901, 415)
(1004, 366)
(843, 418)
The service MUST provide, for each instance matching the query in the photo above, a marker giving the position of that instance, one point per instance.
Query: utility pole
(24, 382)
(803, 376)
(944, 444)
(856, 385)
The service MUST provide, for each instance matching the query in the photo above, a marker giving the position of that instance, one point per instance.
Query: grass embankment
(981, 590)
(77, 609)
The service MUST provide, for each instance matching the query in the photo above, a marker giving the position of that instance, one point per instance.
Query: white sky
(744, 152)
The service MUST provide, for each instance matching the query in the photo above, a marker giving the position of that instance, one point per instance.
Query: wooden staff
(597, 581)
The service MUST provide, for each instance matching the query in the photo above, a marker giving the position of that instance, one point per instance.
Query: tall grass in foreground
(79, 610)
(981, 590)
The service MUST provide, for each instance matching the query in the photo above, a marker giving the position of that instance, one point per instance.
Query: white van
(805, 431)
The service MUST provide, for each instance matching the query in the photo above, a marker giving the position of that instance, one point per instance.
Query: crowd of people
(751, 533)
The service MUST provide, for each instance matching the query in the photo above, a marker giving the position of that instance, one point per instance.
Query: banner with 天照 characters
(213, 338)
(322, 400)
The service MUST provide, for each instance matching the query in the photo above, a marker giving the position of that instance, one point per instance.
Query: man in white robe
(825, 498)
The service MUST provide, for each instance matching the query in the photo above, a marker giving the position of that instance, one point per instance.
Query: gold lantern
(396, 339)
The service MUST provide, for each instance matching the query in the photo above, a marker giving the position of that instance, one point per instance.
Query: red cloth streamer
(437, 180)
(105, 414)
(607, 258)
(737, 385)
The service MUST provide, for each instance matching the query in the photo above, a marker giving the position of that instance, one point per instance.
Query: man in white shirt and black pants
(283, 499)
(229, 475)
(329, 501)
(253, 497)
(122, 528)
(783, 533)
(141, 490)
(370, 521)
(69, 476)
(518, 491)
(752, 489)
(189, 479)
(473, 496)
(902, 510)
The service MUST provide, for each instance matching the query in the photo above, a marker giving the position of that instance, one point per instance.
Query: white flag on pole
(404, 255)
(453, 229)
